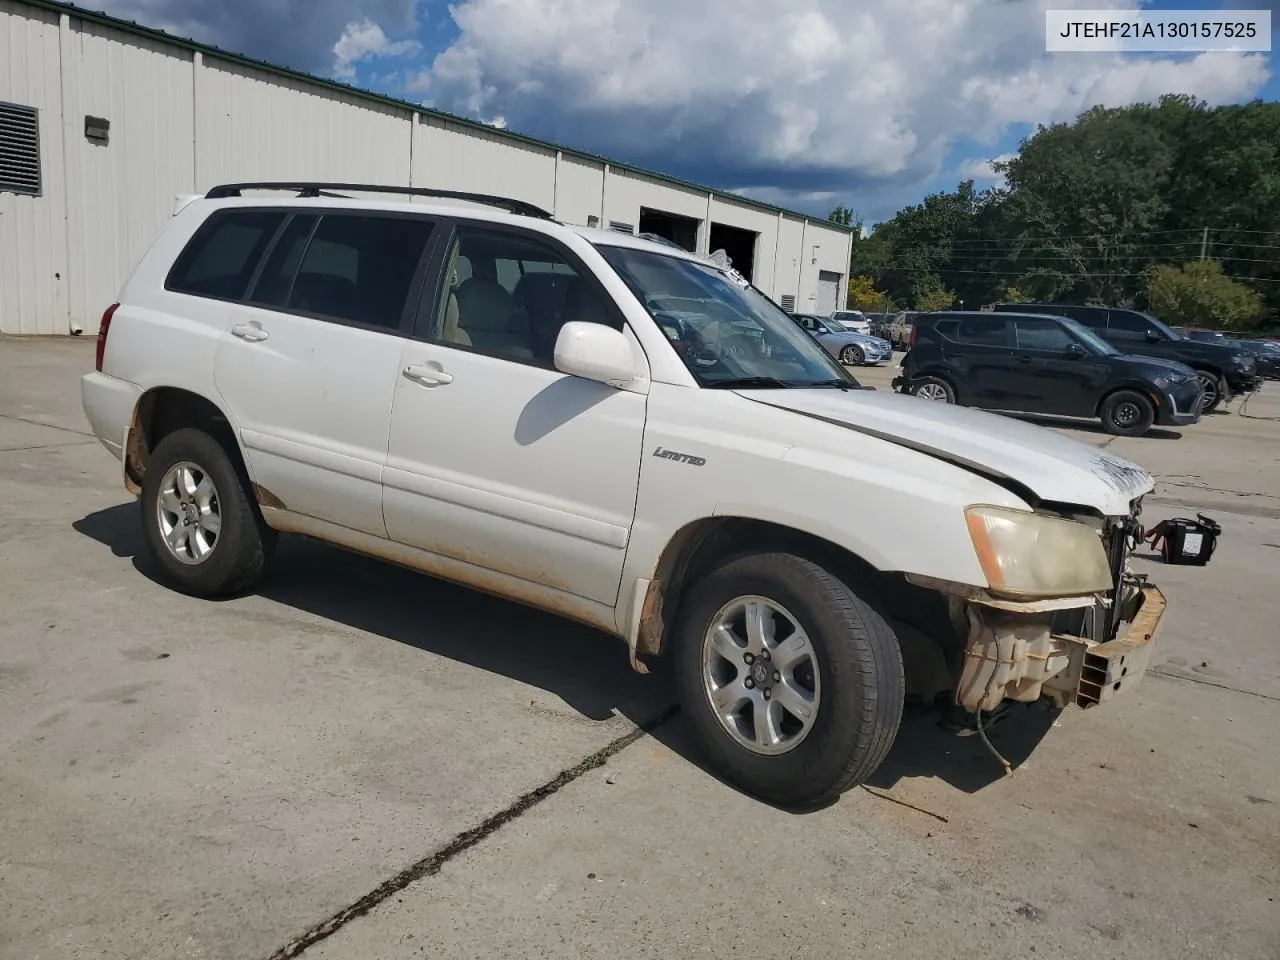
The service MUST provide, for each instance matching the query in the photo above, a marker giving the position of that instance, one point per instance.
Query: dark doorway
(739, 244)
(670, 226)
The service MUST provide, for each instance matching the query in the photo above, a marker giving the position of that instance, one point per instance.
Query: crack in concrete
(48, 446)
(51, 426)
(1168, 675)
(430, 865)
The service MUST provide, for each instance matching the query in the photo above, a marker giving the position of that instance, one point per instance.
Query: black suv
(1035, 363)
(1224, 370)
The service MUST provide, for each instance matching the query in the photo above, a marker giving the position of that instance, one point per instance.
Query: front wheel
(1214, 390)
(1128, 414)
(792, 683)
(852, 356)
(200, 525)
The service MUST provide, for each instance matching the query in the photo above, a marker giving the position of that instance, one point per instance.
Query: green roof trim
(129, 26)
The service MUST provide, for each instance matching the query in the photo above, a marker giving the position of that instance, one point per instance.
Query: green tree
(1012, 294)
(935, 299)
(842, 215)
(863, 295)
(1200, 294)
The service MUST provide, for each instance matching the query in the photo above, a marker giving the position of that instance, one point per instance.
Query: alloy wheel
(189, 513)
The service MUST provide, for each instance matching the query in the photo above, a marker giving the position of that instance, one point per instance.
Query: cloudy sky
(805, 103)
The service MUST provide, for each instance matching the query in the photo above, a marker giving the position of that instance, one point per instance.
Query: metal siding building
(184, 116)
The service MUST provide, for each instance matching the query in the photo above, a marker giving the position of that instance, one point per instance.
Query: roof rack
(308, 188)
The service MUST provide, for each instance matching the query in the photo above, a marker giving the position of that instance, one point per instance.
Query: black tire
(948, 393)
(852, 356)
(244, 544)
(1127, 413)
(1215, 390)
(860, 665)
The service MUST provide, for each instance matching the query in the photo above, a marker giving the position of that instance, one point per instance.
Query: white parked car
(626, 435)
(854, 320)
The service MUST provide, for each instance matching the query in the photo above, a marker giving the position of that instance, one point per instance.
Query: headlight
(1244, 362)
(1166, 380)
(1026, 555)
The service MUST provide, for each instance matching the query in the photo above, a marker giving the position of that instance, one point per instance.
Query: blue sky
(806, 103)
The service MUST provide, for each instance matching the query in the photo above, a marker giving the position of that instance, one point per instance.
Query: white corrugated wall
(33, 230)
(183, 121)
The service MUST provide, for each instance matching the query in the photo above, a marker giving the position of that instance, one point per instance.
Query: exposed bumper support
(1016, 655)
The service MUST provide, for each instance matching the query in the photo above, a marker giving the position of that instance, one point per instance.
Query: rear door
(979, 354)
(309, 362)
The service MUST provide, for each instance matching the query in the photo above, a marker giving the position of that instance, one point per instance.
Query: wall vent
(19, 149)
(789, 302)
(621, 227)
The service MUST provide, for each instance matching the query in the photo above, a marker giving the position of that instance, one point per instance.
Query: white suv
(624, 434)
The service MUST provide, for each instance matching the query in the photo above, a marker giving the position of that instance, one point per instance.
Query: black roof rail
(308, 188)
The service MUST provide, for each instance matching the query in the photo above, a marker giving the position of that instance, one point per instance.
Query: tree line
(1173, 207)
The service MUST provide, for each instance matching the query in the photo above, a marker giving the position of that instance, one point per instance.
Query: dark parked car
(1224, 370)
(1047, 364)
(1266, 354)
(1199, 333)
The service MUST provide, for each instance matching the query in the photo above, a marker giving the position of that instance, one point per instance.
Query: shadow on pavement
(585, 668)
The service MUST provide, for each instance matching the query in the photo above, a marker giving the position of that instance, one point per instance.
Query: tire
(1215, 390)
(209, 562)
(852, 356)
(934, 388)
(852, 666)
(1127, 413)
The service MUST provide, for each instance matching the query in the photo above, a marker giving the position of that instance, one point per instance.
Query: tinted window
(1127, 326)
(509, 295)
(1092, 317)
(276, 280)
(981, 331)
(1041, 335)
(221, 257)
(357, 268)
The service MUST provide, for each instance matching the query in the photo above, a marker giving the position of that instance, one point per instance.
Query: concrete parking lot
(359, 762)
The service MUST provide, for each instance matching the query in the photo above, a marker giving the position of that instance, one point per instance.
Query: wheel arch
(162, 410)
(703, 544)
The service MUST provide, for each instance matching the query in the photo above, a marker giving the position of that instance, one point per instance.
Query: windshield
(1089, 338)
(727, 335)
(830, 326)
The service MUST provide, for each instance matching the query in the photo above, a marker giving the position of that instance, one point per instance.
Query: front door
(981, 359)
(494, 457)
(309, 362)
(1048, 377)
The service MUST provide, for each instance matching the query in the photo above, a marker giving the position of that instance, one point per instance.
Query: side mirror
(595, 352)
(1153, 337)
(1075, 351)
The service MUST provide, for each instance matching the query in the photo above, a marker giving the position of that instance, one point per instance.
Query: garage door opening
(739, 244)
(671, 226)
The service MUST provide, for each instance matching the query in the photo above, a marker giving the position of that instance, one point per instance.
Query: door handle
(427, 375)
(1022, 359)
(252, 332)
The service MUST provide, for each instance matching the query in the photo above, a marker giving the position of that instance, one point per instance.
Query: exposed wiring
(991, 682)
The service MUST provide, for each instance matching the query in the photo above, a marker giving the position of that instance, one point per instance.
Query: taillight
(911, 340)
(102, 335)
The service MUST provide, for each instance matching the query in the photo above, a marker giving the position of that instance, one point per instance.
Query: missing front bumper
(1016, 655)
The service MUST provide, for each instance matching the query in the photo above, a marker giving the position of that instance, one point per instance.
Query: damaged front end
(1082, 650)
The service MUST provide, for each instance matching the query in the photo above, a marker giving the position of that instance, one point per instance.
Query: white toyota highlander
(622, 433)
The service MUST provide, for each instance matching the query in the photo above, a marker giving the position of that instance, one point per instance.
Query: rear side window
(980, 331)
(358, 269)
(1041, 335)
(220, 259)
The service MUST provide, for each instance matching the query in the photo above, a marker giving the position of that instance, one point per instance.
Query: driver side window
(1127, 326)
(508, 295)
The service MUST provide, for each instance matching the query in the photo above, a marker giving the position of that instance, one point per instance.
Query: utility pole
(1204, 244)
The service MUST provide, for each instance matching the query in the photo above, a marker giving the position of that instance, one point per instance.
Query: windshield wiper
(838, 384)
(746, 383)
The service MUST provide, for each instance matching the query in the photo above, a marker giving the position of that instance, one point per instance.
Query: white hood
(1049, 465)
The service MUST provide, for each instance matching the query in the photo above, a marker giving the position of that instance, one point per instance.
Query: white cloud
(980, 170)
(364, 40)
(813, 95)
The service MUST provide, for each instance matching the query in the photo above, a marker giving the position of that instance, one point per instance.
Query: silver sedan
(851, 349)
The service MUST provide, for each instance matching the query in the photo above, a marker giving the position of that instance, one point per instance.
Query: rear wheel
(1215, 390)
(201, 526)
(1128, 413)
(852, 356)
(933, 388)
(793, 685)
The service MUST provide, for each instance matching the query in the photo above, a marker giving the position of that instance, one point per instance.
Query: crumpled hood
(1051, 466)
